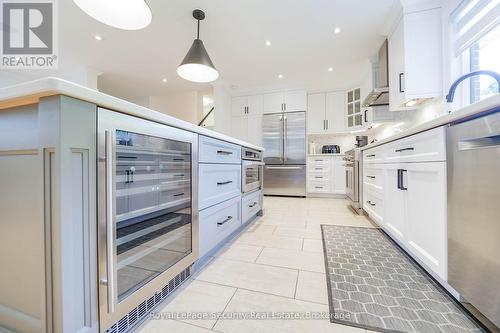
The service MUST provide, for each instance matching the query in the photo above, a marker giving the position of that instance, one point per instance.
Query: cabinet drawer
(217, 151)
(319, 162)
(373, 155)
(374, 207)
(217, 183)
(319, 186)
(373, 179)
(428, 146)
(217, 223)
(318, 176)
(250, 205)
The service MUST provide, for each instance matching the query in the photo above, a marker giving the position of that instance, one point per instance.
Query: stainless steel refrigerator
(284, 140)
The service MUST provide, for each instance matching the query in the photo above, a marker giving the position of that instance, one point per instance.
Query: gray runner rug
(374, 284)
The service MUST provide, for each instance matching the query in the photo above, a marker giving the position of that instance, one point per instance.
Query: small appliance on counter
(330, 149)
(361, 140)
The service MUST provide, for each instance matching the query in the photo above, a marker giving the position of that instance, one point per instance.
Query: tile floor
(275, 265)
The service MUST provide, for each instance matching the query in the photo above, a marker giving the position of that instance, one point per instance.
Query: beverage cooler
(147, 215)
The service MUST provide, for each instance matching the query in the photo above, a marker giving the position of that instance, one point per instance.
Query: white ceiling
(234, 32)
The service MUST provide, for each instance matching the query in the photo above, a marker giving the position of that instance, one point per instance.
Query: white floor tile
(295, 259)
(313, 245)
(241, 252)
(312, 287)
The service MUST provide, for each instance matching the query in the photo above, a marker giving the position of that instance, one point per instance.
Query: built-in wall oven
(147, 215)
(252, 170)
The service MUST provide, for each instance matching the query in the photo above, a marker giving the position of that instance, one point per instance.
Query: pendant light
(197, 66)
(121, 14)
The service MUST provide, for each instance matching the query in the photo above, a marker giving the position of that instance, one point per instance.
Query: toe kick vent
(136, 315)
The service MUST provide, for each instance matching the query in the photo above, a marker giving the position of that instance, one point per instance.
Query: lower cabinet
(218, 222)
(326, 175)
(408, 200)
(251, 204)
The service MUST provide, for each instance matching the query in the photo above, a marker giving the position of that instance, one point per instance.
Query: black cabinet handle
(229, 218)
(224, 183)
(179, 175)
(252, 205)
(318, 187)
(370, 203)
(372, 155)
(319, 177)
(401, 77)
(318, 168)
(179, 194)
(127, 173)
(401, 180)
(366, 116)
(404, 149)
(224, 152)
(372, 177)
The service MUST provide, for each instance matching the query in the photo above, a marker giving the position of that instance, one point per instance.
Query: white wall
(187, 106)
(222, 115)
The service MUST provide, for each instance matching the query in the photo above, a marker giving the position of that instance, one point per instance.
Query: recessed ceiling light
(127, 15)
(97, 37)
(280, 76)
(164, 80)
(330, 69)
(337, 30)
(268, 43)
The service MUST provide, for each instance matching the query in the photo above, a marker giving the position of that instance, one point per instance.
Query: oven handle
(110, 214)
(284, 167)
(250, 163)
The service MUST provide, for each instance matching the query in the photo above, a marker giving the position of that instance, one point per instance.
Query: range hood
(380, 94)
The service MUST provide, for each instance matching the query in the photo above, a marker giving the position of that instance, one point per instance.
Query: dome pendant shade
(121, 14)
(197, 66)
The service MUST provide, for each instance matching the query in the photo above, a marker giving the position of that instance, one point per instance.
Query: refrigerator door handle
(281, 138)
(285, 137)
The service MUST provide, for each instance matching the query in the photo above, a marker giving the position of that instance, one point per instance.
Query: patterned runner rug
(375, 285)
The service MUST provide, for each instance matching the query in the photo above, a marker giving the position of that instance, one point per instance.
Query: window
(476, 43)
(484, 54)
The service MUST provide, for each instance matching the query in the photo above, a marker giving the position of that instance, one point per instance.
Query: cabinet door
(239, 106)
(239, 128)
(255, 105)
(395, 203)
(295, 101)
(396, 68)
(338, 177)
(254, 130)
(426, 233)
(335, 111)
(274, 102)
(316, 113)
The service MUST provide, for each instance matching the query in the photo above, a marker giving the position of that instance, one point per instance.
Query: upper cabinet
(415, 58)
(247, 106)
(326, 112)
(246, 120)
(285, 101)
(354, 113)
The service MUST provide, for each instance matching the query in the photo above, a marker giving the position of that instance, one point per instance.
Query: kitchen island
(106, 206)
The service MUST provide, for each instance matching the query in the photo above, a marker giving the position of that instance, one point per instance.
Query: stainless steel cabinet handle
(229, 218)
(224, 152)
(327, 124)
(401, 186)
(224, 183)
(404, 149)
(110, 220)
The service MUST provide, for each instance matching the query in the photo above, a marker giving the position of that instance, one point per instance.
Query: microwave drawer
(217, 151)
(250, 205)
(217, 223)
(217, 183)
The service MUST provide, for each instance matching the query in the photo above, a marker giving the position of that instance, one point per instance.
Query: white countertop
(31, 92)
(469, 111)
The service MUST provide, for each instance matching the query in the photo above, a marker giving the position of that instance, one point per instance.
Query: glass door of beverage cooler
(147, 213)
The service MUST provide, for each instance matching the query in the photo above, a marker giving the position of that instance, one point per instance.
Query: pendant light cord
(198, 33)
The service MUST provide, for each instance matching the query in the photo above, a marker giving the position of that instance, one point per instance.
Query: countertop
(471, 111)
(31, 92)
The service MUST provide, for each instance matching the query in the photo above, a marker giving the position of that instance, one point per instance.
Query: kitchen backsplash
(345, 141)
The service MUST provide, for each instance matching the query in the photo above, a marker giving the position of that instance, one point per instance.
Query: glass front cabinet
(148, 226)
(354, 114)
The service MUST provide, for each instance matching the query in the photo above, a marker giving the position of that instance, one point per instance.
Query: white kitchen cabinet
(326, 112)
(414, 74)
(354, 115)
(285, 101)
(395, 199)
(426, 214)
(326, 175)
(246, 120)
(316, 113)
(335, 111)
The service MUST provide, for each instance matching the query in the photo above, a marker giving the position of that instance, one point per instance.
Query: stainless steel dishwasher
(473, 149)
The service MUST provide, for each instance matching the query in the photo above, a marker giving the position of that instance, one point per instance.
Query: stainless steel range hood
(380, 94)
